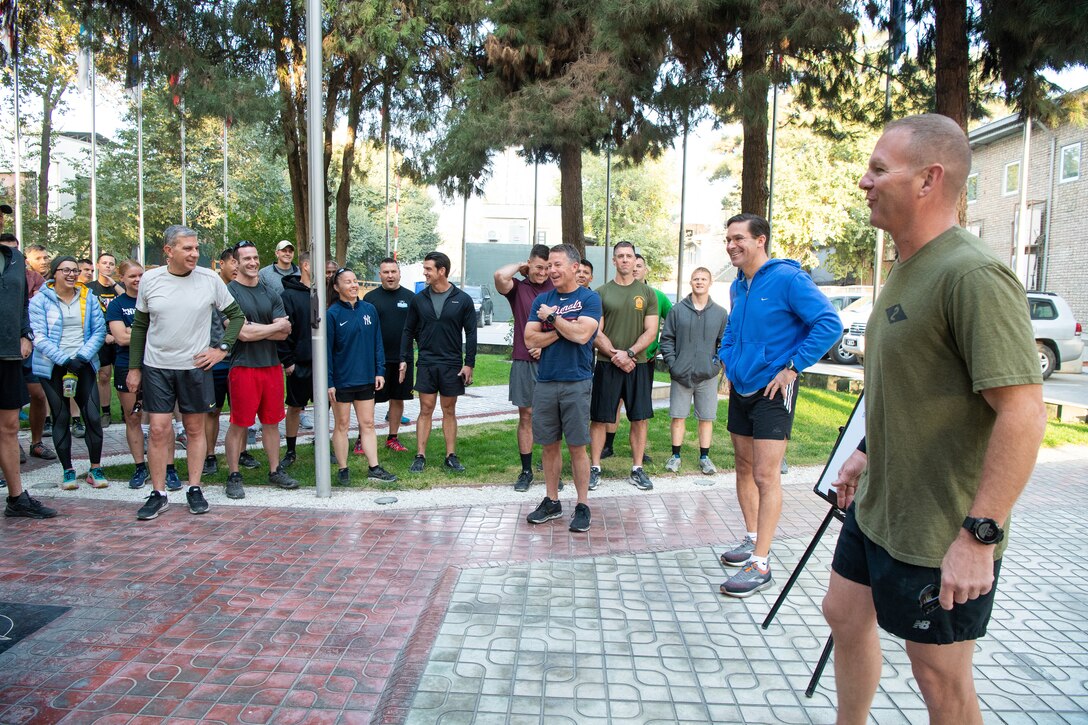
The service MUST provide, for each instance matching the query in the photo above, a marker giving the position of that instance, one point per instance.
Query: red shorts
(256, 393)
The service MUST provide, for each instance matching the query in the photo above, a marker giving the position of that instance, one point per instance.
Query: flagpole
(316, 177)
(226, 199)
(18, 152)
(140, 169)
(94, 169)
(184, 215)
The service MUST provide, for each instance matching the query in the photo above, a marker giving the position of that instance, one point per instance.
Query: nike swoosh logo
(764, 299)
(343, 323)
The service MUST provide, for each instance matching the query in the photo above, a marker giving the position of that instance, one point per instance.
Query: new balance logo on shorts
(921, 624)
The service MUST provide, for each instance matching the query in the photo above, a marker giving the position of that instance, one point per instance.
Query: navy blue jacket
(354, 343)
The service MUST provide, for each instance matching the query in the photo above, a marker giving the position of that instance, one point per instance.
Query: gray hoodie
(690, 339)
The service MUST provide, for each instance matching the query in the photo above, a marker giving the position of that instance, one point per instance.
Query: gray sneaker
(740, 553)
(418, 464)
(377, 473)
(785, 467)
(234, 486)
(280, 478)
(594, 477)
(707, 466)
(640, 480)
(524, 480)
(673, 464)
(747, 581)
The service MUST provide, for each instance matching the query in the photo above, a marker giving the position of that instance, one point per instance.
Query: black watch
(29, 335)
(224, 347)
(550, 319)
(791, 367)
(631, 354)
(986, 531)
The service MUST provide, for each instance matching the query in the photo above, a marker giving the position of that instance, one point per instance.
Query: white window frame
(1005, 190)
(973, 176)
(1062, 178)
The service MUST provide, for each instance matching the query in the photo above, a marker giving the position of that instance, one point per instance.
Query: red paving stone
(259, 615)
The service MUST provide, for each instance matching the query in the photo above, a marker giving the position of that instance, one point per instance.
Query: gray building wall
(1062, 259)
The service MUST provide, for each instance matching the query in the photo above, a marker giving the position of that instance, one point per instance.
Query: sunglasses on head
(339, 272)
(242, 244)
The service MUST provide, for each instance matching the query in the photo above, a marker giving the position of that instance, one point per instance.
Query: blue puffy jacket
(777, 316)
(48, 325)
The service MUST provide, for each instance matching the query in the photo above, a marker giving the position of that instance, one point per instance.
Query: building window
(542, 237)
(1012, 179)
(1070, 163)
(972, 188)
(975, 228)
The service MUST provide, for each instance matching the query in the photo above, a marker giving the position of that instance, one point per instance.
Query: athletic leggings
(87, 400)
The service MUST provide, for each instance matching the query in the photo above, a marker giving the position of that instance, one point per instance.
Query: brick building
(1056, 259)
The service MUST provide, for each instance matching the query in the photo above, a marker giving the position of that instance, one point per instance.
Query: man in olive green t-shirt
(628, 327)
(954, 417)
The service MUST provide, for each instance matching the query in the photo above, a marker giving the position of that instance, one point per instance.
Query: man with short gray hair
(170, 359)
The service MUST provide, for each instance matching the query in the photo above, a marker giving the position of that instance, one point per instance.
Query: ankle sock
(761, 561)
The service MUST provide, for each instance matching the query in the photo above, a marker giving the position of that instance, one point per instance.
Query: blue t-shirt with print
(122, 309)
(566, 361)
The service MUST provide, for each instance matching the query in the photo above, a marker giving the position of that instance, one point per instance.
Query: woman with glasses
(356, 358)
(69, 330)
(119, 316)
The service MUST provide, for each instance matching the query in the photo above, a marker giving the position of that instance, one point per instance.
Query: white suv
(1057, 334)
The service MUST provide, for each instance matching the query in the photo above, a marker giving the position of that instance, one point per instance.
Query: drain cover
(384, 500)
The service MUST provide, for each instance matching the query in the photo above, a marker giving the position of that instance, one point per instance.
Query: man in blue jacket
(780, 324)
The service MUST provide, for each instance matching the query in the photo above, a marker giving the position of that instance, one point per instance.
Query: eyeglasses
(69, 271)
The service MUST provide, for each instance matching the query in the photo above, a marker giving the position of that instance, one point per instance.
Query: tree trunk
(754, 109)
(332, 103)
(953, 69)
(347, 165)
(49, 103)
(289, 75)
(570, 197)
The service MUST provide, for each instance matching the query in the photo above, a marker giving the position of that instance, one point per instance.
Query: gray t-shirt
(439, 300)
(180, 307)
(71, 336)
(273, 276)
(262, 305)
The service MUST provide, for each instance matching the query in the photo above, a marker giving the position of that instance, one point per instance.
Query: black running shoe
(156, 503)
(246, 460)
(607, 452)
(580, 521)
(234, 486)
(454, 464)
(195, 498)
(211, 466)
(418, 464)
(280, 478)
(377, 473)
(594, 477)
(27, 507)
(288, 460)
(546, 511)
(523, 481)
(343, 477)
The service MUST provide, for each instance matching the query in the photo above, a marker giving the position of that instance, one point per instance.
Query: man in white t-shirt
(170, 358)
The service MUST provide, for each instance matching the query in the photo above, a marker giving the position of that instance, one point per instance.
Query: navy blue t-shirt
(566, 361)
(122, 309)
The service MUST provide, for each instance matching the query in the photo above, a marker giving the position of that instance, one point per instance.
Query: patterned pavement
(258, 615)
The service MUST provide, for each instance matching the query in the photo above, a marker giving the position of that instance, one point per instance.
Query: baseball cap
(284, 244)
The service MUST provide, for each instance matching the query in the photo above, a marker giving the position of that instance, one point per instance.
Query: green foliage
(642, 197)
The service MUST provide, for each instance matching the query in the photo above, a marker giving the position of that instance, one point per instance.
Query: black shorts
(897, 589)
(28, 373)
(299, 387)
(221, 383)
(119, 382)
(440, 379)
(395, 390)
(107, 354)
(192, 391)
(350, 395)
(611, 385)
(13, 395)
(762, 418)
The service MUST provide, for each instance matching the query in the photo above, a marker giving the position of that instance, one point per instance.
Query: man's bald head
(937, 139)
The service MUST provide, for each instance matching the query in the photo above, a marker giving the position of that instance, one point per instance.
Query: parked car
(1057, 334)
(481, 299)
(857, 309)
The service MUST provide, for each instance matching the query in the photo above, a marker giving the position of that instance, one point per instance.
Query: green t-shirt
(663, 308)
(625, 311)
(950, 322)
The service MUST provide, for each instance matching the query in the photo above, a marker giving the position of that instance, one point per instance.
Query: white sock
(752, 535)
(145, 427)
(762, 561)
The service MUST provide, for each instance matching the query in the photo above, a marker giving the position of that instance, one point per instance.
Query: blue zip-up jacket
(45, 318)
(354, 343)
(777, 316)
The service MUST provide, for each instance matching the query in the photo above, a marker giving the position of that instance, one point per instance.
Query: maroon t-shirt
(521, 297)
(34, 282)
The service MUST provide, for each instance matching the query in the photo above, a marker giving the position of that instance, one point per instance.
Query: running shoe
(211, 466)
(579, 522)
(68, 482)
(418, 464)
(246, 460)
(394, 444)
(377, 473)
(79, 430)
(740, 553)
(523, 481)
(546, 511)
(234, 487)
(640, 480)
(289, 459)
(96, 477)
(594, 477)
(173, 482)
(156, 503)
(42, 451)
(707, 466)
(139, 476)
(280, 478)
(195, 498)
(749, 580)
(25, 506)
(673, 464)
(454, 464)
(343, 477)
